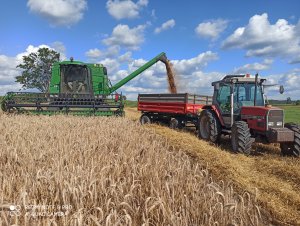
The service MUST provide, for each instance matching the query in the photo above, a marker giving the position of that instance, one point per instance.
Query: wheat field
(64, 170)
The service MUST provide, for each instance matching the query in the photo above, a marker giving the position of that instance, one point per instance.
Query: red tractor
(239, 109)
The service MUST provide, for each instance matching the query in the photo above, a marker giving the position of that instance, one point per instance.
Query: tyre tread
(243, 137)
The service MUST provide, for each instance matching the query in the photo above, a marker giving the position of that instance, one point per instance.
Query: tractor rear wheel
(145, 119)
(241, 140)
(209, 126)
(292, 148)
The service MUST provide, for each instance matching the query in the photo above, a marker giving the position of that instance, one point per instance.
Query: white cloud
(59, 12)
(8, 70)
(97, 54)
(194, 64)
(121, 9)
(211, 29)
(112, 51)
(165, 26)
(125, 58)
(93, 53)
(130, 38)
(255, 67)
(117, 76)
(60, 48)
(296, 60)
(260, 38)
(112, 65)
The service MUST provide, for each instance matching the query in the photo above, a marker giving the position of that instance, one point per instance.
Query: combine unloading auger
(76, 88)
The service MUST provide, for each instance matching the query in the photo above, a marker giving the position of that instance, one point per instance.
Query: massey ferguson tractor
(237, 108)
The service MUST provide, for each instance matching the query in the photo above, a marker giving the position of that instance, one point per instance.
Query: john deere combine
(76, 88)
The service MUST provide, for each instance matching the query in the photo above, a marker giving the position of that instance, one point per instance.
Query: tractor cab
(234, 92)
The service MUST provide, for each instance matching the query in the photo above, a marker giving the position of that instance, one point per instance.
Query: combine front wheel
(4, 106)
(292, 148)
(209, 127)
(241, 140)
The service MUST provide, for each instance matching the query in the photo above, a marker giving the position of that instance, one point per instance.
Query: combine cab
(76, 88)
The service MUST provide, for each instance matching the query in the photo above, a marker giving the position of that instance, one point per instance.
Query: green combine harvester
(76, 88)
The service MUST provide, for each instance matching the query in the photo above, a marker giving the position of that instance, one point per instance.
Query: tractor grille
(275, 119)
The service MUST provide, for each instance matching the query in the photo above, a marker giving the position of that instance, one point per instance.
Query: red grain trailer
(177, 110)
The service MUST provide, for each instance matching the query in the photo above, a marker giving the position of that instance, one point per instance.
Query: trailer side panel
(181, 103)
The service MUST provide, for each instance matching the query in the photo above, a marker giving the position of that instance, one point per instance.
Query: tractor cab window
(223, 97)
(75, 79)
(244, 95)
(259, 95)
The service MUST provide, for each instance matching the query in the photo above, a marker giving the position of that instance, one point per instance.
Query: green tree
(288, 100)
(37, 69)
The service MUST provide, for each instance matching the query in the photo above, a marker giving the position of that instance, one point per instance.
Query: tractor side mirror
(281, 89)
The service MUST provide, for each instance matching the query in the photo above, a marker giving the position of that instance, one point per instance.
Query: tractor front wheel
(293, 148)
(241, 140)
(209, 126)
(145, 119)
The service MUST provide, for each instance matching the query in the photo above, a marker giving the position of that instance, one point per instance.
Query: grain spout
(171, 77)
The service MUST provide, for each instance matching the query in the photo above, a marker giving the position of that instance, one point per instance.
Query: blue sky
(204, 39)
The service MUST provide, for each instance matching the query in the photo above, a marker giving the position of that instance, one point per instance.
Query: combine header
(76, 88)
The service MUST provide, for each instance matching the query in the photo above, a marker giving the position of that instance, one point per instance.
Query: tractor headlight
(279, 123)
(270, 123)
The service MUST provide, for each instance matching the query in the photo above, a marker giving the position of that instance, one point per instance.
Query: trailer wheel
(209, 126)
(241, 138)
(145, 119)
(292, 148)
(175, 124)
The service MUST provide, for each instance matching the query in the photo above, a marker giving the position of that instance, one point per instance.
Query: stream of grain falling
(171, 77)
